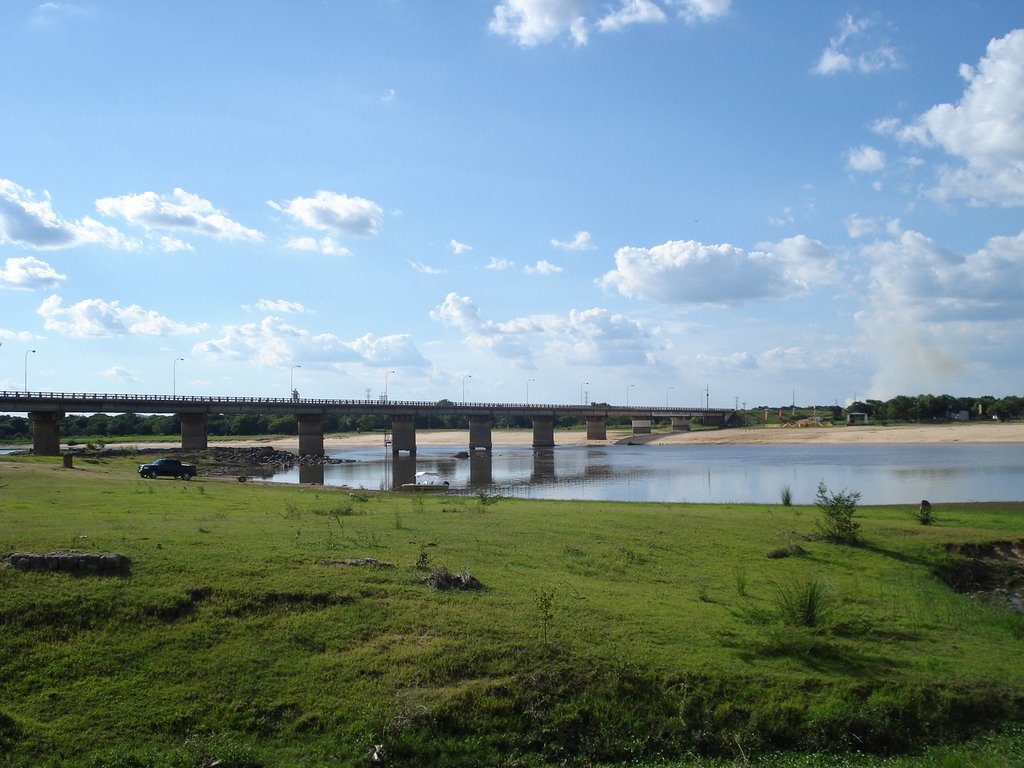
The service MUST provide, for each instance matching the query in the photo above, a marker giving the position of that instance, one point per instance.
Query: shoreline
(905, 434)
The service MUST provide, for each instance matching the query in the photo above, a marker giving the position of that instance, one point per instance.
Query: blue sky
(652, 200)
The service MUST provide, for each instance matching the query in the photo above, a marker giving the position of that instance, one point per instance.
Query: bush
(838, 509)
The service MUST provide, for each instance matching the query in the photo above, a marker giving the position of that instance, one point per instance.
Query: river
(883, 474)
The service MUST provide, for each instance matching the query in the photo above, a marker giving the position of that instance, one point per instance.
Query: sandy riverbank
(978, 432)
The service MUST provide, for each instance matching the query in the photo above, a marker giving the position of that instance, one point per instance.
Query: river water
(883, 474)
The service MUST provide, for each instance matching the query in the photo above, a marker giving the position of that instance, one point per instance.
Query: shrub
(804, 604)
(786, 496)
(838, 509)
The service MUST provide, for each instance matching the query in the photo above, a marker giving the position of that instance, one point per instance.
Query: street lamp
(528, 390)
(174, 376)
(467, 376)
(584, 384)
(628, 387)
(26, 369)
(291, 381)
(386, 385)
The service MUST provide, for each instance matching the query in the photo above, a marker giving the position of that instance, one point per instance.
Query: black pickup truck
(167, 468)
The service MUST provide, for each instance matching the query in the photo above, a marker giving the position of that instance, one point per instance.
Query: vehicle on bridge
(167, 468)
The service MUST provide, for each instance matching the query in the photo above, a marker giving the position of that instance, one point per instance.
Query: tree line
(900, 409)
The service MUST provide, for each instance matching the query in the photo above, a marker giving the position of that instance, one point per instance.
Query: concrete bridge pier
(597, 428)
(680, 423)
(403, 433)
(642, 424)
(193, 431)
(46, 432)
(311, 434)
(543, 431)
(480, 433)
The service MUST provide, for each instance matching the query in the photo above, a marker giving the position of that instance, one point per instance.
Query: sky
(658, 202)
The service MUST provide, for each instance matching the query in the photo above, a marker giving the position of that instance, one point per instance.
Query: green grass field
(605, 634)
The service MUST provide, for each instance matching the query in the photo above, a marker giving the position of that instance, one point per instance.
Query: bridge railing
(24, 397)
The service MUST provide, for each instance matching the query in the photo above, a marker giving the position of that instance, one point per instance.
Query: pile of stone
(441, 579)
(72, 561)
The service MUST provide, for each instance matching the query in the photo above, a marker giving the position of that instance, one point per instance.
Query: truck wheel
(186, 475)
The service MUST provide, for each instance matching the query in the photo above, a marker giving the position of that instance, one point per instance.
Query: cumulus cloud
(272, 342)
(865, 158)
(690, 272)
(581, 337)
(28, 221)
(335, 213)
(934, 312)
(536, 22)
(858, 47)
(542, 267)
(325, 245)
(631, 12)
(580, 242)
(99, 318)
(181, 212)
(29, 274)
(985, 130)
(459, 248)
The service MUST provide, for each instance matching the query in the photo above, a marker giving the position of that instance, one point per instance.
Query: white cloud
(580, 242)
(631, 12)
(859, 226)
(985, 129)
(459, 248)
(273, 343)
(857, 48)
(31, 222)
(335, 213)
(689, 272)
(29, 274)
(325, 245)
(181, 212)
(98, 318)
(588, 336)
(934, 313)
(388, 96)
(173, 245)
(693, 11)
(534, 22)
(15, 335)
(865, 158)
(425, 269)
(499, 265)
(280, 306)
(123, 375)
(542, 267)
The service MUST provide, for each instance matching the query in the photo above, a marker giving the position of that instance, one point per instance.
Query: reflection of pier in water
(547, 467)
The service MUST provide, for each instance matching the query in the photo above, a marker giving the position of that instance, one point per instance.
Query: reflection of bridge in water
(538, 466)
(46, 409)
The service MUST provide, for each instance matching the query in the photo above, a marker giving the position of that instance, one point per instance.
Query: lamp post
(26, 368)
(628, 387)
(174, 375)
(466, 376)
(528, 390)
(584, 384)
(386, 373)
(291, 382)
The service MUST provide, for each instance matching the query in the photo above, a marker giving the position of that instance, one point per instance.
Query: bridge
(46, 409)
